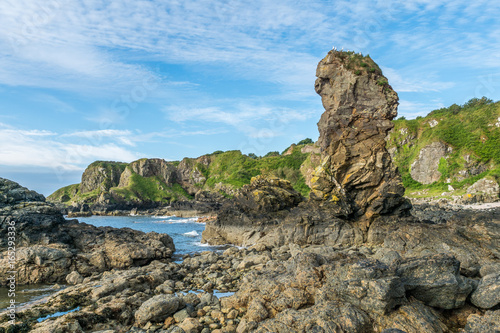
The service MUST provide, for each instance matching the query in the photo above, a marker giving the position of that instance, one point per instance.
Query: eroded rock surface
(354, 183)
(359, 106)
(425, 167)
(49, 248)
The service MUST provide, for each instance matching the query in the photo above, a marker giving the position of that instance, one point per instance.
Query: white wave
(191, 233)
(202, 244)
(175, 219)
(208, 245)
(162, 216)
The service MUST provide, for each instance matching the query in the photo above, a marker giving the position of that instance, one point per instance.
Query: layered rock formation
(355, 181)
(48, 247)
(116, 188)
(356, 167)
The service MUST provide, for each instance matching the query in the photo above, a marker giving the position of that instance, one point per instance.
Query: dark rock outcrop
(355, 182)
(356, 167)
(48, 247)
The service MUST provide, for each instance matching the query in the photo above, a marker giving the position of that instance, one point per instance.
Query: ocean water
(185, 232)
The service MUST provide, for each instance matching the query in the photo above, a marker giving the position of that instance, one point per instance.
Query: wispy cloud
(78, 45)
(44, 149)
(56, 103)
(412, 110)
(253, 121)
(402, 83)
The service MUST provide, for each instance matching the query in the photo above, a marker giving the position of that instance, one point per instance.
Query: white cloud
(34, 148)
(402, 83)
(411, 110)
(253, 121)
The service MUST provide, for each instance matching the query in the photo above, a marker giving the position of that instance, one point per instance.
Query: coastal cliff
(440, 157)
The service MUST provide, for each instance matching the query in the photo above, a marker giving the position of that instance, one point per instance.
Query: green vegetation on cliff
(236, 169)
(470, 133)
(149, 189)
(113, 182)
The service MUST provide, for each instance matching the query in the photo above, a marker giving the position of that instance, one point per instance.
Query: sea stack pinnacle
(356, 169)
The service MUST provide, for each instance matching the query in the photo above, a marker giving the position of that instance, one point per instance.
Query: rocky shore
(355, 256)
(415, 277)
(48, 248)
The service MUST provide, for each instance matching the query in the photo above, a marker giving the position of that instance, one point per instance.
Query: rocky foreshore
(353, 257)
(409, 283)
(48, 248)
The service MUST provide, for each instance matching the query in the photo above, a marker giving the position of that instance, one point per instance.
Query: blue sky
(120, 80)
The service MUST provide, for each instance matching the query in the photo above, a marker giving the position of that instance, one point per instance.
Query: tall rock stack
(356, 170)
(355, 182)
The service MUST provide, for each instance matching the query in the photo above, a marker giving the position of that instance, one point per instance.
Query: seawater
(185, 232)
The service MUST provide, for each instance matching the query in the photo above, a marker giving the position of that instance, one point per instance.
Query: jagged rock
(435, 281)
(355, 178)
(488, 189)
(290, 149)
(153, 167)
(488, 323)
(425, 168)
(49, 247)
(190, 175)
(267, 194)
(12, 193)
(369, 285)
(74, 278)
(413, 318)
(487, 293)
(101, 176)
(470, 236)
(356, 166)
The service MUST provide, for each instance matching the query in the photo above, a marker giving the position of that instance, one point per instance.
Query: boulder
(487, 323)
(412, 318)
(74, 278)
(367, 284)
(487, 293)
(157, 309)
(487, 188)
(435, 280)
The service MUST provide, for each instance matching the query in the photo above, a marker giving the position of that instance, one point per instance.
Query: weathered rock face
(152, 167)
(267, 194)
(484, 190)
(356, 167)
(48, 247)
(355, 180)
(101, 176)
(190, 175)
(425, 167)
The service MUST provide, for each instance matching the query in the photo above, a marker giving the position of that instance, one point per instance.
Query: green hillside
(231, 169)
(472, 133)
